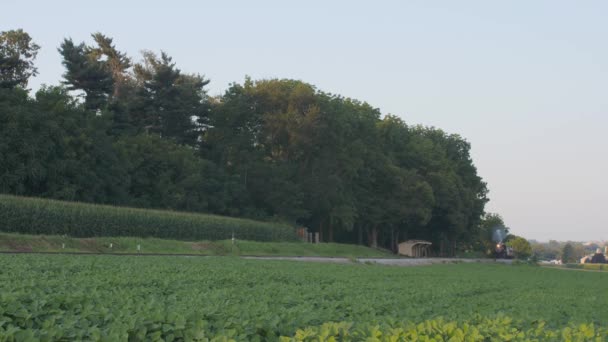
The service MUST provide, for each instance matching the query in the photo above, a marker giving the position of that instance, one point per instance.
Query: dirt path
(383, 261)
(335, 260)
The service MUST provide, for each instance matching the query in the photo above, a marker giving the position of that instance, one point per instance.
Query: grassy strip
(42, 216)
(10, 242)
(591, 267)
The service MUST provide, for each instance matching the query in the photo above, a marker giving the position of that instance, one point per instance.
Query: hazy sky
(526, 82)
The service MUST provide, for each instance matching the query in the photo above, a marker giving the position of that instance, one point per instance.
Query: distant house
(415, 248)
(597, 258)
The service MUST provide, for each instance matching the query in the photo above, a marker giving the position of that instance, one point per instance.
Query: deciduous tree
(17, 55)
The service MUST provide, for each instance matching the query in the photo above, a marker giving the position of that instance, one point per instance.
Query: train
(503, 251)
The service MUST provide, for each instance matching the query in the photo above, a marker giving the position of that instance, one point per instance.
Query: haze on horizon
(524, 82)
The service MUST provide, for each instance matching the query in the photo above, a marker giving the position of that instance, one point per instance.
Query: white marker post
(232, 246)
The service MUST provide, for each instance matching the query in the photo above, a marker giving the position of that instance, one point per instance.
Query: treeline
(566, 251)
(147, 134)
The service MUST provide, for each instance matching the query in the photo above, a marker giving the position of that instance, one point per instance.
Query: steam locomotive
(502, 251)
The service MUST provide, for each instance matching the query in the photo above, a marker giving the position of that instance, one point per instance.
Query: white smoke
(499, 234)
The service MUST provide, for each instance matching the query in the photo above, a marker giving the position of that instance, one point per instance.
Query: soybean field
(150, 298)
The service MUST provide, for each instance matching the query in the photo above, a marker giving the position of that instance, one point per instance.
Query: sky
(525, 82)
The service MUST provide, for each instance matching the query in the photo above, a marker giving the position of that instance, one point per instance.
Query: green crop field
(120, 298)
(39, 216)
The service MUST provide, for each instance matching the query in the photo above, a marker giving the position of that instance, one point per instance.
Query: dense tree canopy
(17, 54)
(146, 134)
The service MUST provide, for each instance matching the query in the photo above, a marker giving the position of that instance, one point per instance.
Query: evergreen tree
(86, 71)
(117, 62)
(568, 254)
(168, 102)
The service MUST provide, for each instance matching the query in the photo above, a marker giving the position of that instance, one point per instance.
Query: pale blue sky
(524, 81)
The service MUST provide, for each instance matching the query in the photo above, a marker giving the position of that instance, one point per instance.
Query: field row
(50, 217)
(172, 298)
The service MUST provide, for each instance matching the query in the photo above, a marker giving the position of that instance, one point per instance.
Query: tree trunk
(396, 242)
(373, 237)
(245, 176)
(392, 239)
(320, 231)
(330, 232)
(360, 233)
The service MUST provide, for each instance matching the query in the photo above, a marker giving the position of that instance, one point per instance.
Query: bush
(595, 267)
(42, 216)
(521, 247)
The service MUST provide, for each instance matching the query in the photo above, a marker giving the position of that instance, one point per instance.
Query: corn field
(43, 216)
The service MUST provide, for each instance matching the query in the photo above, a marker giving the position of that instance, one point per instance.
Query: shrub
(521, 247)
(595, 267)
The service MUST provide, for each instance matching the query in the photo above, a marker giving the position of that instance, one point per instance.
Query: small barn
(415, 248)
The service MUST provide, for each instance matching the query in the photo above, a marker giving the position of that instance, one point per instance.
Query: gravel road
(381, 261)
(393, 262)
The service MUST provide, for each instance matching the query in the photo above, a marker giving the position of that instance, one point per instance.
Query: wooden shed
(415, 248)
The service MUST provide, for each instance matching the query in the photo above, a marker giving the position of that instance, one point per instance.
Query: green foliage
(17, 54)
(50, 147)
(591, 267)
(115, 61)
(478, 329)
(553, 250)
(166, 101)
(167, 298)
(595, 267)
(568, 254)
(163, 174)
(88, 72)
(41, 216)
(521, 247)
(148, 135)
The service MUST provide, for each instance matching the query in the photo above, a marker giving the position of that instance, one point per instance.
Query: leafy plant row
(43, 216)
(478, 329)
(110, 298)
(174, 327)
